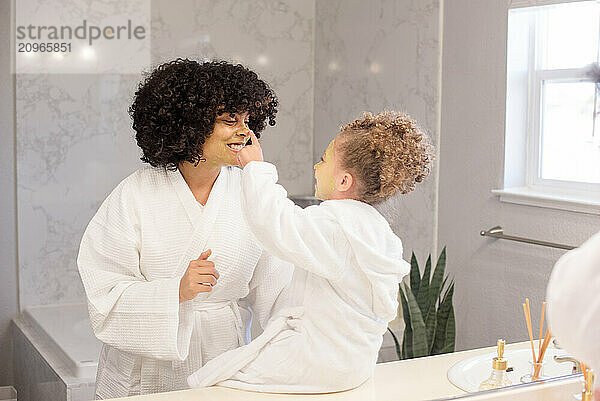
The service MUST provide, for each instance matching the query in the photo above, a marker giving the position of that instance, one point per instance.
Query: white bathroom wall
(74, 136)
(493, 277)
(8, 238)
(375, 55)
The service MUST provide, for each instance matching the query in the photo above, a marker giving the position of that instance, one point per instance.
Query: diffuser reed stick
(538, 366)
(541, 326)
(527, 313)
(542, 346)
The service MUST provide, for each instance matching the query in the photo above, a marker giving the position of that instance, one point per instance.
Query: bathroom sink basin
(468, 374)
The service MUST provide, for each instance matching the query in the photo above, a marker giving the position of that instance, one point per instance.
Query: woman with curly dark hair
(170, 268)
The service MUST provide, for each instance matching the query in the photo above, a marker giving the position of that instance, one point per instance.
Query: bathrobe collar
(202, 218)
(193, 208)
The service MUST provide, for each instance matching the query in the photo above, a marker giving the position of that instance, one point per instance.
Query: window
(552, 147)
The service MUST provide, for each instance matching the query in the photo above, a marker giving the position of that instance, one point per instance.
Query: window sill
(553, 199)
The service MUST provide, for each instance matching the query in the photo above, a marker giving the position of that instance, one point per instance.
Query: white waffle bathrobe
(328, 331)
(573, 297)
(132, 256)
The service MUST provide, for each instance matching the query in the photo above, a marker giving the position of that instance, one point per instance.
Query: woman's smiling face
(229, 136)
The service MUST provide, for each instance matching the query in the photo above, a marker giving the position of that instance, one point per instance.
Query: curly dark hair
(175, 106)
(388, 152)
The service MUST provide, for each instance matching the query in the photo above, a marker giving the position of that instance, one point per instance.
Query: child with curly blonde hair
(327, 327)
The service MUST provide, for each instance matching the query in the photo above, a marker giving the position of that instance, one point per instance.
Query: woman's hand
(200, 276)
(250, 153)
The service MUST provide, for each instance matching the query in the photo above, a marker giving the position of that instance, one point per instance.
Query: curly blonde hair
(386, 153)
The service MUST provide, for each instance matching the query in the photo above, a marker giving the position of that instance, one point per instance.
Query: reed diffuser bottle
(498, 378)
(586, 394)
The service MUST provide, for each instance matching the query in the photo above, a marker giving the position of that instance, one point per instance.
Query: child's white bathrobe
(328, 332)
(573, 297)
(132, 256)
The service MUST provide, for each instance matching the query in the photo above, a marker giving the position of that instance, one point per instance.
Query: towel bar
(498, 232)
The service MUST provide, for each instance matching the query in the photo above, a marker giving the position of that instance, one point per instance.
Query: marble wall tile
(107, 37)
(74, 145)
(377, 55)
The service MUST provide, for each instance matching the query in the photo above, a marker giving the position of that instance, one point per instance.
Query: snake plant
(427, 310)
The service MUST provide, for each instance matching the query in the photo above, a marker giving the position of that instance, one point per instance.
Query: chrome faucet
(566, 358)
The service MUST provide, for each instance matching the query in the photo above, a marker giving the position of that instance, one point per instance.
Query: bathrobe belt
(288, 318)
(217, 305)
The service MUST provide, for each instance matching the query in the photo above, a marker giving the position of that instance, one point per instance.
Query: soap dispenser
(498, 378)
(587, 393)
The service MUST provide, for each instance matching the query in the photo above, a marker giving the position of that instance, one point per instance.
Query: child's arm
(304, 237)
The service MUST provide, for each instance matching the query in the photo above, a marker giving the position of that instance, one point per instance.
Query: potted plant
(427, 311)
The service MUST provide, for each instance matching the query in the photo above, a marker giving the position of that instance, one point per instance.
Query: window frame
(533, 174)
(524, 184)
(537, 78)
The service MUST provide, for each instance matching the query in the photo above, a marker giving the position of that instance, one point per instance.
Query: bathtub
(67, 327)
(56, 353)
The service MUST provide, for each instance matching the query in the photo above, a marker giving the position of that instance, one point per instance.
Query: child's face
(324, 174)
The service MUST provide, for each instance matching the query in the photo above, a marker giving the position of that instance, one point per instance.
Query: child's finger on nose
(254, 139)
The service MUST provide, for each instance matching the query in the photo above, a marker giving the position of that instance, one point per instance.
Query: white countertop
(413, 379)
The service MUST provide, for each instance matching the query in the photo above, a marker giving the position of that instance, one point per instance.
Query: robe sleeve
(304, 237)
(574, 302)
(127, 311)
(267, 288)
